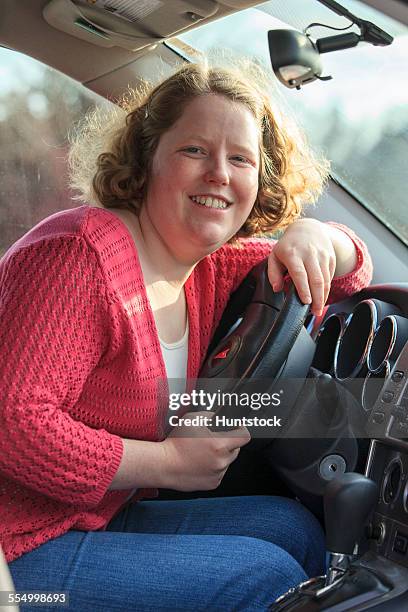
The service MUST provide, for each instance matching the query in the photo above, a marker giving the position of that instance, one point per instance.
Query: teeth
(209, 202)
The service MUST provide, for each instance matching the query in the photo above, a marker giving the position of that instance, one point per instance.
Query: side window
(38, 107)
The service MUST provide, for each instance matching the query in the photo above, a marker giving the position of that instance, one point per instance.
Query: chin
(211, 242)
(210, 237)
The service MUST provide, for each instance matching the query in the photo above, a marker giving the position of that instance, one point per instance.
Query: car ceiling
(24, 28)
(107, 70)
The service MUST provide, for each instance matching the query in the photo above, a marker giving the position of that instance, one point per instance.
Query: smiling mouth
(210, 202)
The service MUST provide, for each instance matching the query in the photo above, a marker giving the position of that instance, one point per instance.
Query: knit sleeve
(359, 278)
(234, 262)
(53, 332)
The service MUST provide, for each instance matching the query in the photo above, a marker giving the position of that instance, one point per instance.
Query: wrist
(346, 255)
(143, 465)
(164, 464)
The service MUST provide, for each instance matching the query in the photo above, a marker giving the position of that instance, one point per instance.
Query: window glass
(360, 118)
(38, 106)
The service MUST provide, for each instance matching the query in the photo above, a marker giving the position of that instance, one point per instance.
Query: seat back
(6, 582)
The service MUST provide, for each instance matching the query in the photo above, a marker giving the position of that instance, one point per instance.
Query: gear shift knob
(348, 501)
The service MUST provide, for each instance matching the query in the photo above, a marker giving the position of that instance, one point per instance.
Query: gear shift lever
(348, 501)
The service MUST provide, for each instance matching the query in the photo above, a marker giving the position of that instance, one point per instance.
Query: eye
(241, 160)
(194, 150)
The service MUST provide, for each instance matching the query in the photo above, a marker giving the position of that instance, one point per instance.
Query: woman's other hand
(312, 253)
(196, 458)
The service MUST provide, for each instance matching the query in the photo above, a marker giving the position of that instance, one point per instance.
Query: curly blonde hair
(112, 152)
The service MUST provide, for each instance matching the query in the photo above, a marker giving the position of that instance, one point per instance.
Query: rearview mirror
(295, 60)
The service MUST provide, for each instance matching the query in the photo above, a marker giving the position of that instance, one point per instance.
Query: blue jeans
(228, 553)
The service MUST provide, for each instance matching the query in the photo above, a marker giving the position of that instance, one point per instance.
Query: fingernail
(307, 299)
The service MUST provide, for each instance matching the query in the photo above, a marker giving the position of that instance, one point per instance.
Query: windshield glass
(359, 119)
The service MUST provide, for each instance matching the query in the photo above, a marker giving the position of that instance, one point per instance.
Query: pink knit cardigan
(81, 365)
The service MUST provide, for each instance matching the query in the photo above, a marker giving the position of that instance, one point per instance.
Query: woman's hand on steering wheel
(306, 253)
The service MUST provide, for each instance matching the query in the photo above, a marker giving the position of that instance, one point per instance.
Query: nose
(217, 171)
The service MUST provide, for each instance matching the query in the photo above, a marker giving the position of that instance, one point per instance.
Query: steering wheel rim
(260, 344)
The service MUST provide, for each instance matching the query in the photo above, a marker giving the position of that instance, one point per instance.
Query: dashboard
(362, 343)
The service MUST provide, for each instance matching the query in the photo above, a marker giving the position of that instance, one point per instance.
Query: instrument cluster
(364, 344)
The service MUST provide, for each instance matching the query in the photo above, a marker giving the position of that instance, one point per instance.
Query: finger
(317, 284)
(328, 267)
(298, 274)
(276, 272)
(328, 276)
(235, 438)
(332, 265)
(233, 444)
(234, 454)
(225, 461)
(323, 262)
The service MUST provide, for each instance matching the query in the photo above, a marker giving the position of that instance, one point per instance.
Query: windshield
(359, 119)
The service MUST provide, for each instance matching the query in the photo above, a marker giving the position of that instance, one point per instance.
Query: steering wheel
(259, 343)
(255, 354)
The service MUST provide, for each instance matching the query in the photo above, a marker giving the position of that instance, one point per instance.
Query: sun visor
(129, 24)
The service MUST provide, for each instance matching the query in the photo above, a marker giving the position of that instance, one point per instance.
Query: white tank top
(175, 357)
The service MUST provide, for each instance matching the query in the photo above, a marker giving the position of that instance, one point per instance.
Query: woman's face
(204, 177)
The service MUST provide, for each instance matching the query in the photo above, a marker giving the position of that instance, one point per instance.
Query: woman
(93, 301)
